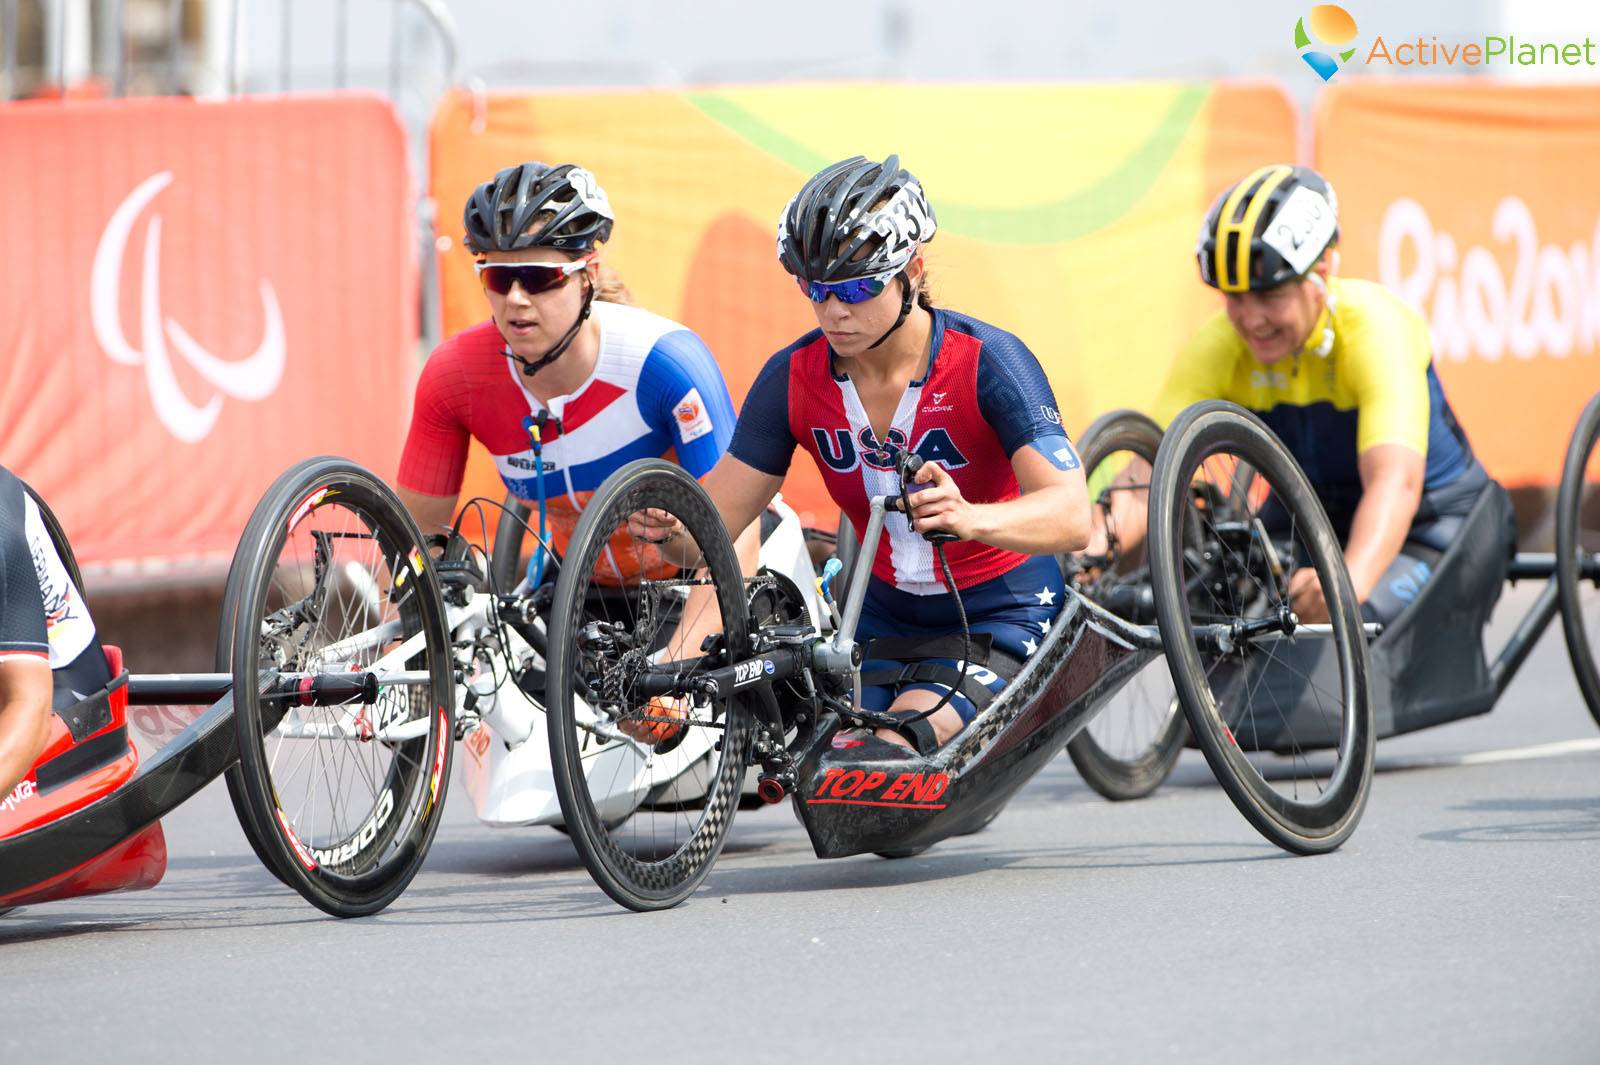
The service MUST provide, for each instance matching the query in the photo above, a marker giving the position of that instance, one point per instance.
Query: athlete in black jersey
(49, 653)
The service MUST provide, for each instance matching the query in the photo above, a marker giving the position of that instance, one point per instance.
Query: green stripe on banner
(1078, 215)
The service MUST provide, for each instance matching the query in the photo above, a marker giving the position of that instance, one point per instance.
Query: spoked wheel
(234, 776)
(1130, 746)
(1251, 678)
(619, 610)
(343, 789)
(1578, 553)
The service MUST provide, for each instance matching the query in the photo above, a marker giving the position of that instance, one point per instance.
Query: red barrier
(193, 296)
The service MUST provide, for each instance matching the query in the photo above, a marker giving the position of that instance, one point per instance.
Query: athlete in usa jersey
(887, 373)
(982, 398)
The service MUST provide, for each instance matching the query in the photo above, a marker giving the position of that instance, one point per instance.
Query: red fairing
(132, 865)
(136, 864)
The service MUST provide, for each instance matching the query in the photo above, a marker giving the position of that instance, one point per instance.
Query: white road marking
(1504, 754)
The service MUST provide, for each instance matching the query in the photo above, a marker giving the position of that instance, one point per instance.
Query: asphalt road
(1460, 923)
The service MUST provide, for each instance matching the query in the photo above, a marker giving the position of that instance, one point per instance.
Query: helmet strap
(906, 297)
(531, 368)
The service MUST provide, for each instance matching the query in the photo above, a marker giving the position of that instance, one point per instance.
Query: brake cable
(535, 424)
(907, 464)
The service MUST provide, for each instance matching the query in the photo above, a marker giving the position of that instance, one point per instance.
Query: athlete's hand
(1305, 596)
(940, 507)
(654, 526)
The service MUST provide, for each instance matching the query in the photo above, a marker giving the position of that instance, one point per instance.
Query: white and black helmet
(1268, 228)
(834, 228)
(500, 213)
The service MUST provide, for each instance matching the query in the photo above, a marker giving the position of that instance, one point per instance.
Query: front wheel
(343, 789)
(1578, 553)
(1233, 526)
(621, 610)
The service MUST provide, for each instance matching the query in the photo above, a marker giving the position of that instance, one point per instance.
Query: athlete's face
(532, 323)
(1276, 323)
(852, 328)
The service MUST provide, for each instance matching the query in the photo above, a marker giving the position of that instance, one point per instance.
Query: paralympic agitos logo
(251, 379)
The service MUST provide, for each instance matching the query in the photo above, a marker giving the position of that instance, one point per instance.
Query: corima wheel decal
(294, 843)
(439, 750)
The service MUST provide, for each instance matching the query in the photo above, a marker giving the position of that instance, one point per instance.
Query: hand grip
(907, 464)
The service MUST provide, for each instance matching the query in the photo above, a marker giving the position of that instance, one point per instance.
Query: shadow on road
(1577, 818)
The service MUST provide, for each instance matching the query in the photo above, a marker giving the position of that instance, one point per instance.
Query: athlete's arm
(740, 493)
(25, 693)
(1391, 488)
(25, 680)
(1050, 517)
(434, 461)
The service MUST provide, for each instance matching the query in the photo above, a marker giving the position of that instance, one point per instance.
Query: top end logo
(1331, 27)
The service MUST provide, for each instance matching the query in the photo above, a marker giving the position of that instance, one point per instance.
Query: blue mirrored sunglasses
(854, 290)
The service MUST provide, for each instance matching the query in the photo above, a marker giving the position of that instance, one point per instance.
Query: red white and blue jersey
(655, 392)
(984, 396)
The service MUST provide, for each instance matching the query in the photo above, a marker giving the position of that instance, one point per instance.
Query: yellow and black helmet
(1269, 228)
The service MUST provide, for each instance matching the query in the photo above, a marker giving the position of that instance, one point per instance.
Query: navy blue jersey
(984, 396)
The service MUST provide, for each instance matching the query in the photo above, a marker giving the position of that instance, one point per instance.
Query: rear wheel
(1252, 679)
(620, 610)
(1130, 747)
(343, 793)
(1578, 553)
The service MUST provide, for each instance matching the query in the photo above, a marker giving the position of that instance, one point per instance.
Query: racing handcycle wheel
(1234, 526)
(1129, 749)
(622, 610)
(1578, 552)
(342, 687)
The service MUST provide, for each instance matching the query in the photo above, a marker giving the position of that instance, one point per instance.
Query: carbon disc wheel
(343, 789)
(1280, 708)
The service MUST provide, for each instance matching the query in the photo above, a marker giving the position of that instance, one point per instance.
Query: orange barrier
(1067, 212)
(1476, 201)
(195, 296)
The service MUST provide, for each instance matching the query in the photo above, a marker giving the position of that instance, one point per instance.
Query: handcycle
(1427, 668)
(336, 647)
(783, 697)
(345, 671)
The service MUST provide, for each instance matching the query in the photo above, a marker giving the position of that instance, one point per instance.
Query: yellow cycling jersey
(1372, 384)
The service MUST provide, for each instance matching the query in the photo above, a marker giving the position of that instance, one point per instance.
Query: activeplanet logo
(251, 379)
(1331, 26)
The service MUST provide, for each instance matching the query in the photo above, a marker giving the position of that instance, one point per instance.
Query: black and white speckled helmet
(831, 230)
(500, 213)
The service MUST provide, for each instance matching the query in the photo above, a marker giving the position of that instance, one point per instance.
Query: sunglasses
(854, 290)
(533, 277)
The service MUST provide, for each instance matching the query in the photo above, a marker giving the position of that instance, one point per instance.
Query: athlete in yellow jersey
(1342, 371)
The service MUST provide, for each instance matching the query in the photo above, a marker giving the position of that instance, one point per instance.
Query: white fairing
(507, 758)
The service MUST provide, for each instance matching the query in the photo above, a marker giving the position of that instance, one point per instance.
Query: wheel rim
(1304, 700)
(353, 788)
(652, 805)
(1577, 545)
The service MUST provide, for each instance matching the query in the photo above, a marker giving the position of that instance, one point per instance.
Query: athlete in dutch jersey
(1342, 371)
(565, 383)
(885, 372)
(50, 655)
